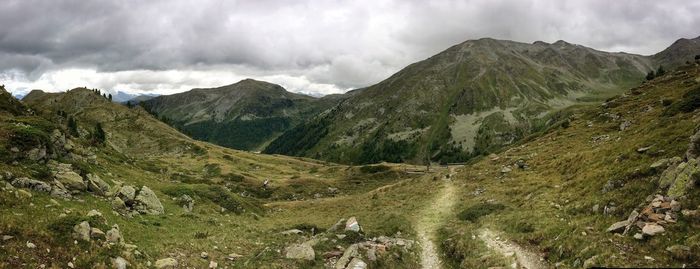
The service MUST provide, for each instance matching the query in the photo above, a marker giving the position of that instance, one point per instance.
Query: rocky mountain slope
(245, 115)
(88, 183)
(611, 185)
(468, 100)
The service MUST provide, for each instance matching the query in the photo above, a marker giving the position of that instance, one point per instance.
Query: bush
(371, 169)
(689, 102)
(475, 212)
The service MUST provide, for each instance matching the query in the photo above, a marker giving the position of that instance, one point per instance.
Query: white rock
(652, 229)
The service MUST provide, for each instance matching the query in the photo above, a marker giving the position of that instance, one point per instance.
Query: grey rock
(31, 184)
(292, 231)
(167, 263)
(97, 185)
(638, 236)
(337, 226)
(300, 252)
(119, 263)
(618, 227)
(352, 225)
(114, 236)
(81, 231)
(652, 229)
(127, 194)
(356, 263)
(146, 202)
(351, 252)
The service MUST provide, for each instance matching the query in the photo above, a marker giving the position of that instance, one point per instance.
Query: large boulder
(97, 185)
(127, 194)
(685, 179)
(31, 184)
(146, 202)
(352, 225)
(64, 173)
(652, 229)
(300, 252)
(81, 231)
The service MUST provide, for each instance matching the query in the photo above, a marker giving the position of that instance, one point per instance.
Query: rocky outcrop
(130, 201)
(96, 185)
(146, 202)
(303, 251)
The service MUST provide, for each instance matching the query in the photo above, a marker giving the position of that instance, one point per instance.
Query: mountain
(9, 104)
(123, 97)
(680, 52)
(468, 100)
(245, 115)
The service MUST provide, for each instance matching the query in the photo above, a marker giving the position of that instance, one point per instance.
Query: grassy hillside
(234, 212)
(556, 193)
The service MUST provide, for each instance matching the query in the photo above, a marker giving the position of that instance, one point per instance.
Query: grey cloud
(347, 44)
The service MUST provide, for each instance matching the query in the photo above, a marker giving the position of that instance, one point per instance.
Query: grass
(549, 205)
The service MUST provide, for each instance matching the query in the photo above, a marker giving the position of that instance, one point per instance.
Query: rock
(71, 265)
(71, 180)
(186, 201)
(679, 252)
(97, 233)
(81, 231)
(97, 185)
(94, 213)
(660, 164)
(694, 147)
(352, 225)
(127, 194)
(591, 262)
(595, 208)
(31, 184)
(300, 252)
(652, 229)
(618, 227)
(30, 245)
(643, 149)
(493, 157)
(167, 263)
(233, 256)
(337, 226)
(351, 252)
(114, 236)
(356, 263)
(506, 170)
(675, 206)
(36, 154)
(23, 194)
(638, 236)
(204, 255)
(119, 263)
(7, 237)
(147, 202)
(625, 125)
(292, 231)
(333, 191)
(213, 265)
(684, 180)
(118, 204)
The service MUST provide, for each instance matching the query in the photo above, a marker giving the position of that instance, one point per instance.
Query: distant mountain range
(245, 115)
(468, 100)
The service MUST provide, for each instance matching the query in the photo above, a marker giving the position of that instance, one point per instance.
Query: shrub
(475, 212)
(689, 102)
(371, 169)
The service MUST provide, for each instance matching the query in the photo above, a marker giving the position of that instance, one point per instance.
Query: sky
(315, 47)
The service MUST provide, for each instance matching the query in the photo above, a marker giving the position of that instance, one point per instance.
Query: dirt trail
(523, 257)
(430, 219)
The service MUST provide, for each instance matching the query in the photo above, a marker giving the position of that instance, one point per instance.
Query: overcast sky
(310, 46)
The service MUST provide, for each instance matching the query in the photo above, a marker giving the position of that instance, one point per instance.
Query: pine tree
(660, 71)
(650, 75)
(73, 127)
(99, 136)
